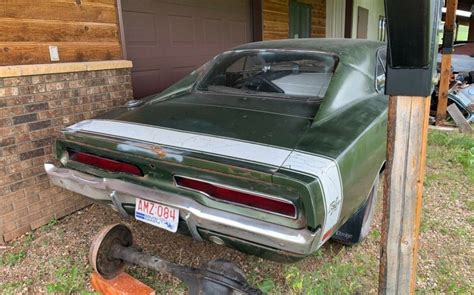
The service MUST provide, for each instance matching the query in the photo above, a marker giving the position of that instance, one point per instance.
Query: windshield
(271, 72)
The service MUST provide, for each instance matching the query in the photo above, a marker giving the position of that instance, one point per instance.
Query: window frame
(204, 76)
(378, 60)
(295, 20)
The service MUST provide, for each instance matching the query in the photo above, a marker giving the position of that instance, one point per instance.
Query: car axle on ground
(113, 247)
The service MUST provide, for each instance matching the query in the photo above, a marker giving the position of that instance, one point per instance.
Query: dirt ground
(53, 259)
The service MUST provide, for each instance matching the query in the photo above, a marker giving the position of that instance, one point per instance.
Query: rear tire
(357, 228)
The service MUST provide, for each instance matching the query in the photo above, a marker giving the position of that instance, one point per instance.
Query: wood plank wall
(276, 18)
(83, 30)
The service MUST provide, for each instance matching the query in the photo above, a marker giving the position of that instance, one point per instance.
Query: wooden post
(403, 189)
(445, 74)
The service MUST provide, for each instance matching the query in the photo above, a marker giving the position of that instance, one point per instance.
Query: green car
(271, 148)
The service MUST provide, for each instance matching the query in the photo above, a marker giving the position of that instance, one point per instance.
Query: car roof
(350, 51)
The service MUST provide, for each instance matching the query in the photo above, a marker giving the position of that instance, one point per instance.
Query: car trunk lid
(260, 120)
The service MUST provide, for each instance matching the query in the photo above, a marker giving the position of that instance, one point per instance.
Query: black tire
(357, 228)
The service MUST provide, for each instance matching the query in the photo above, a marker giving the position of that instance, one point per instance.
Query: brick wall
(33, 109)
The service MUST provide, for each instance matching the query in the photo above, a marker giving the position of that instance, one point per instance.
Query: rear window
(285, 73)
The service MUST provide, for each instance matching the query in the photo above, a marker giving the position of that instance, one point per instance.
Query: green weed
(446, 276)
(267, 285)
(14, 287)
(47, 227)
(470, 220)
(457, 149)
(333, 277)
(10, 259)
(470, 205)
(375, 234)
(68, 281)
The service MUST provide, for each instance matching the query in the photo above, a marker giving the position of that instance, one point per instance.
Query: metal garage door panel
(168, 39)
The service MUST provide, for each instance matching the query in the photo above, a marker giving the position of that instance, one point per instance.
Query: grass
(463, 32)
(14, 287)
(333, 276)
(446, 261)
(48, 226)
(68, 280)
(454, 148)
(447, 277)
(10, 259)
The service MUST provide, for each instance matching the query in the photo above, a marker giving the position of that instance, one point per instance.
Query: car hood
(267, 121)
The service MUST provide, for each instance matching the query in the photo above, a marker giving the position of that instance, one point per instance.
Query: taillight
(104, 163)
(266, 203)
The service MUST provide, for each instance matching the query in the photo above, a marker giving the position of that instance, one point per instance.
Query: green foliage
(10, 259)
(457, 149)
(47, 227)
(447, 278)
(375, 234)
(68, 281)
(333, 277)
(14, 287)
(29, 237)
(463, 32)
(470, 220)
(470, 204)
(267, 285)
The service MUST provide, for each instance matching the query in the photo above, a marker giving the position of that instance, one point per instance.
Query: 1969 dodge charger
(271, 148)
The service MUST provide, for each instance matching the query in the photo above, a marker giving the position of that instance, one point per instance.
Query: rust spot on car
(159, 151)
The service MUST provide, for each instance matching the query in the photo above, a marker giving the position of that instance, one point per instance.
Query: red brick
(20, 203)
(13, 215)
(22, 221)
(121, 284)
(4, 180)
(26, 196)
(6, 209)
(7, 199)
(34, 207)
(9, 91)
(33, 171)
(34, 216)
(8, 236)
(39, 222)
(9, 226)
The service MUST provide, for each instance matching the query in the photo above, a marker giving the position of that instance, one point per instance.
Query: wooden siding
(276, 18)
(83, 30)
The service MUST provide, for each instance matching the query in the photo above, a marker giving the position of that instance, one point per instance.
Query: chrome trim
(134, 103)
(257, 194)
(118, 205)
(297, 241)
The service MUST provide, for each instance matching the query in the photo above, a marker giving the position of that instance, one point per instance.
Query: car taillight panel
(237, 196)
(105, 163)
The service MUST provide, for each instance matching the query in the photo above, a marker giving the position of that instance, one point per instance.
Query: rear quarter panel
(351, 128)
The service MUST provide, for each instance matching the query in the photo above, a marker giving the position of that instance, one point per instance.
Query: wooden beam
(403, 189)
(446, 62)
(257, 20)
(445, 76)
(37, 30)
(58, 10)
(22, 53)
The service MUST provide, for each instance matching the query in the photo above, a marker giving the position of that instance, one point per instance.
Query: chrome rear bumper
(297, 241)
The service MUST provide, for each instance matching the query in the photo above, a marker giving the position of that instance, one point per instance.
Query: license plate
(157, 214)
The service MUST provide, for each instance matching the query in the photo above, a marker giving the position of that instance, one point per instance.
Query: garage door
(167, 39)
